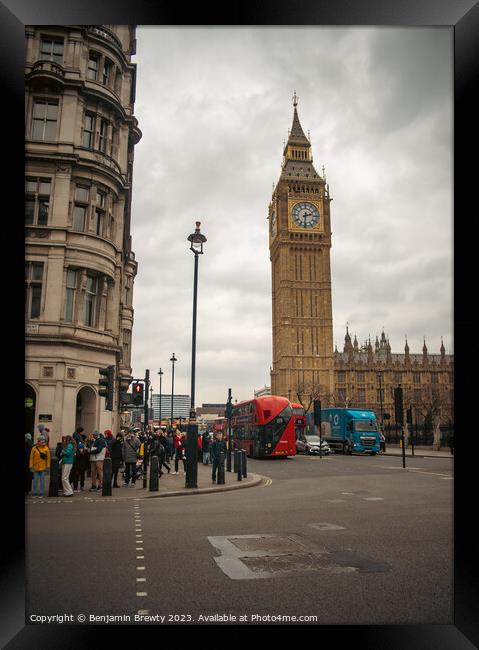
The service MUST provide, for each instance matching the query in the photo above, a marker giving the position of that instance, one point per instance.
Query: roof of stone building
(396, 359)
(381, 353)
(296, 135)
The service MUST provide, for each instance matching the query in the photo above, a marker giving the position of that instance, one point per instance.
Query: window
(417, 396)
(99, 215)
(107, 71)
(37, 201)
(126, 346)
(33, 288)
(89, 131)
(90, 298)
(361, 395)
(341, 376)
(398, 377)
(52, 50)
(434, 378)
(416, 378)
(360, 377)
(79, 211)
(103, 135)
(93, 65)
(70, 295)
(45, 113)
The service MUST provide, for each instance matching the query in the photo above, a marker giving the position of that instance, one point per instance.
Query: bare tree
(434, 408)
(307, 392)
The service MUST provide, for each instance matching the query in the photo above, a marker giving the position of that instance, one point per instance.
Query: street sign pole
(399, 414)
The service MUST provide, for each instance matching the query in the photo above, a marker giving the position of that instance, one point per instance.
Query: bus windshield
(365, 425)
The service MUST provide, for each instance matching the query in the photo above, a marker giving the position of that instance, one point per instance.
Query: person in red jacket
(200, 448)
(180, 451)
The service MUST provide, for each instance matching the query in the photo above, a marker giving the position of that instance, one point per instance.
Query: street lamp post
(152, 414)
(173, 359)
(196, 240)
(160, 372)
(380, 382)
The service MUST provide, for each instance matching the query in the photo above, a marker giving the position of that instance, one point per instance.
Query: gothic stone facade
(80, 268)
(303, 357)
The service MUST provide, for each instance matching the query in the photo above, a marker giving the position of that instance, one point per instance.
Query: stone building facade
(365, 376)
(300, 243)
(80, 134)
(303, 357)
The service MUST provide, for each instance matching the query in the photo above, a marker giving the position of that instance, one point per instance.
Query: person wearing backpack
(116, 452)
(68, 455)
(97, 456)
(39, 464)
(131, 448)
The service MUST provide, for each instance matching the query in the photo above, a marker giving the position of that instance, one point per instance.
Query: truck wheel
(348, 449)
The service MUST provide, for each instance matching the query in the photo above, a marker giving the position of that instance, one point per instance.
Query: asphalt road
(344, 540)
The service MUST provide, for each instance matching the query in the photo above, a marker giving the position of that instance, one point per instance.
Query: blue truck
(351, 430)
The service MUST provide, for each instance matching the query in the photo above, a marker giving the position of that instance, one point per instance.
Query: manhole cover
(273, 564)
(271, 544)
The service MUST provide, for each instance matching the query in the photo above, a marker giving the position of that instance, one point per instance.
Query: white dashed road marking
(139, 540)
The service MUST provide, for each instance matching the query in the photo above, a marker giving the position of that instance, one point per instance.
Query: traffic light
(409, 415)
(106, 383)
(137, 393)
(317, 412)
(398, 406)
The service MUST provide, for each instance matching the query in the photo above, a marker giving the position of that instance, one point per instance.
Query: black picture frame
(462, 16)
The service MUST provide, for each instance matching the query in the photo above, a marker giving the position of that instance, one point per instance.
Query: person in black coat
(157, 448)
(81, 461)
(28, 474)
(116, 453)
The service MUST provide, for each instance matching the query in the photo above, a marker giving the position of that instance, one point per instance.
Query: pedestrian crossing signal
(106, 384)
(138, 394)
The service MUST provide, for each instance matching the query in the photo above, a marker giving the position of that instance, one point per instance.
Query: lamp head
(197, 240)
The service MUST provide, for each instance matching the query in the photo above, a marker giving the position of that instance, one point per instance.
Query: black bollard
(238, 465)
(107, 473)
(221, 469)
(54, 474)
(243, 463)
(145, 465)
(154, 474)
(235, 461)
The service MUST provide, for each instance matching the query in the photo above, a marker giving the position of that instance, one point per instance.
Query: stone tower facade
(300, 243)
(79, 264)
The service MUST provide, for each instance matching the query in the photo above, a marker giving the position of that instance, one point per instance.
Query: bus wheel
(373, 453)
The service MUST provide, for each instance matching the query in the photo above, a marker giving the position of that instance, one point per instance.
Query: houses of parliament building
(361, 376)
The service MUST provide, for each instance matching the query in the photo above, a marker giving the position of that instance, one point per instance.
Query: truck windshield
(365, 425)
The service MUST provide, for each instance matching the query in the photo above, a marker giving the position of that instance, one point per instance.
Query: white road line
(141, 579)
(140, 568)
(140, 557)
(141, 593)
(373, 499)
(139, 548)
(143, 611)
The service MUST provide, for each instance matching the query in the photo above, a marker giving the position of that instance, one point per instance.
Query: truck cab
(351, 430)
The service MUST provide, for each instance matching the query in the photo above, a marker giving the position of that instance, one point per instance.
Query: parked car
(309, 444)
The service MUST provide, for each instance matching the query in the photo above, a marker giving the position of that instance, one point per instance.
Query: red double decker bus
(264, 427)
(299, 417)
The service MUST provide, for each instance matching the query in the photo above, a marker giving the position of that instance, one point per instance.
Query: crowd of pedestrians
(82, 455)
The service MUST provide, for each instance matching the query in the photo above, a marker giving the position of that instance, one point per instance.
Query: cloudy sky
(214, 105)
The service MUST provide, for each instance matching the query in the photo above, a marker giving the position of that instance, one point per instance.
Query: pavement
(170, 485)
(419, 451)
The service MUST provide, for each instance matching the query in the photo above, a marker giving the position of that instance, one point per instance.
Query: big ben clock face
(305, 215)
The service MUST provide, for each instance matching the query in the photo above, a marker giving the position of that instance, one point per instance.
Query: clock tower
(299, 244)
